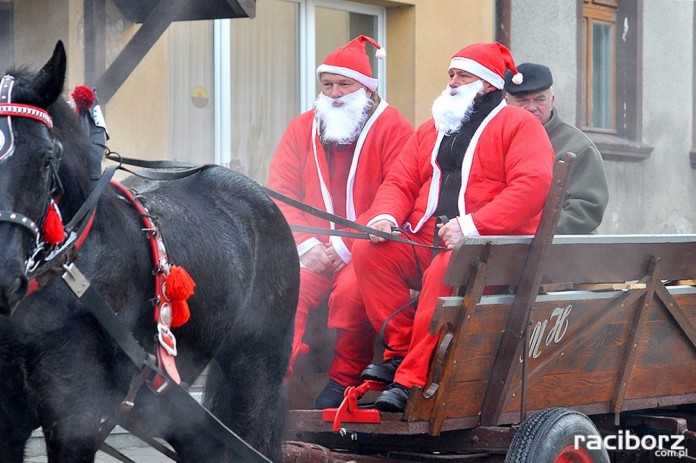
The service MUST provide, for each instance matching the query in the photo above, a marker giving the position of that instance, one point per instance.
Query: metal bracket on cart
(349, 412)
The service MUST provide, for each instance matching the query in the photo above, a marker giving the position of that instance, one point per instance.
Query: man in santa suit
(334, 157)
(485, 168)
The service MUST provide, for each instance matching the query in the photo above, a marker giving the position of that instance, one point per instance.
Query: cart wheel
(549, 437)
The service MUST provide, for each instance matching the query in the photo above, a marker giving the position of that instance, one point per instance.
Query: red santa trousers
(354, 346)
(386, 273)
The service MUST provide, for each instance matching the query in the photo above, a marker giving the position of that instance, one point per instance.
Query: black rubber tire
(543, 435)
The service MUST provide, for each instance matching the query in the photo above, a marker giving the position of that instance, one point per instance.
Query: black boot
(383, 372)
(393, 398)
(331, 396)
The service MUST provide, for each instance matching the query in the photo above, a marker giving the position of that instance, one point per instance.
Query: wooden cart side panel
(665, 356)
(590, 259)
(663, 368)
(576, 351)
(553, 321)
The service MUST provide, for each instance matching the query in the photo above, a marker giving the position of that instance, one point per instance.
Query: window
(336, 23)
(599, 25)
(191, 108)
(610, 97)
(236, 84)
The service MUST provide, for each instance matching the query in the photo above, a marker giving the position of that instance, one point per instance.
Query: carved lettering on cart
(557, 325)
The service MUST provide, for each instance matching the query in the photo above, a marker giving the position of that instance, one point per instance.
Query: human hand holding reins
(450, 233)
(385, 226)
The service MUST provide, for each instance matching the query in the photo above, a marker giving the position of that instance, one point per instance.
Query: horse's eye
(48, 160)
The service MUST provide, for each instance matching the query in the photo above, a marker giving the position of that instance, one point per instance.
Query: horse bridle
(8, 110)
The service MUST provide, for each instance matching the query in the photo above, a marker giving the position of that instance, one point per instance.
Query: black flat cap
(537, 78)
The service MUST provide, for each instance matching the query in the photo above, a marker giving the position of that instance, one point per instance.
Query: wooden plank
(595, 258)
(569, 389)
(446, 362)
(527, 290)
(564, 390)
(574, 381)
(677, 313)
(661, 381)
(609, 286)
(477, 347)
(631, 345)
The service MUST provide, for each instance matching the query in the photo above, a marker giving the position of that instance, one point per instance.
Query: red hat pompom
(180, 287)
(53, 230)
(84, 98)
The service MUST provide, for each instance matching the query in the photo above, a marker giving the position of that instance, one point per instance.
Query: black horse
(60, 370)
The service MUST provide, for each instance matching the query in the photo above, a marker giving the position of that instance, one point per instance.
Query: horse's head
(29, 162)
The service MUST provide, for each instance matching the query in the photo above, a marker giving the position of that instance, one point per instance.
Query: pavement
(119, 439)
(137, 454)
(127, 444)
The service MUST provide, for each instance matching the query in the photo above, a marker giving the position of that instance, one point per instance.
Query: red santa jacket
(506, 175)
(299, 170)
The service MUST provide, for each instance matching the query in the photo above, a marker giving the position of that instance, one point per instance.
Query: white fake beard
(342, 124)
(451, 111)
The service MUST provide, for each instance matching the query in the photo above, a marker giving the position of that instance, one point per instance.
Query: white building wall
(654, 195)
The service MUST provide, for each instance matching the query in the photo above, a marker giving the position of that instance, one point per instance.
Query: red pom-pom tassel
(53, 230)
(180, 286)
(84, 98)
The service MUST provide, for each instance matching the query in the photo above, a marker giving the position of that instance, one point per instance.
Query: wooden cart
(589, 336)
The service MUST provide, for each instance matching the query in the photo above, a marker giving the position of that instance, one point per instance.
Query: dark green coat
(587, 188)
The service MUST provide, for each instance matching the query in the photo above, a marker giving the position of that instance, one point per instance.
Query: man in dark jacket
(587, 187)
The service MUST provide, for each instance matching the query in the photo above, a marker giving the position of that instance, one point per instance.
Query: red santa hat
(351, 60)
(489, 61)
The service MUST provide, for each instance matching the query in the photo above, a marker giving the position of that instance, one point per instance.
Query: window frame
(222, 98)
(595, 13)
(308, 66)
(626, 144)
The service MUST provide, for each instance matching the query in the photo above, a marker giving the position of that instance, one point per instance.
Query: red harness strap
(166, 348)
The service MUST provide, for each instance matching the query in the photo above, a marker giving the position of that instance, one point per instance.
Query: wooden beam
(440, 385)
(94, 13)
(503, 22)
(510, 345)
(161, 16)
(631, 345)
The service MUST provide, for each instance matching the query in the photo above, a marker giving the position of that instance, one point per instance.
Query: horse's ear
(49, 81)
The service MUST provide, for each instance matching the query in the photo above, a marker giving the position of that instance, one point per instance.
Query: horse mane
(68, 130)
(74, 167)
